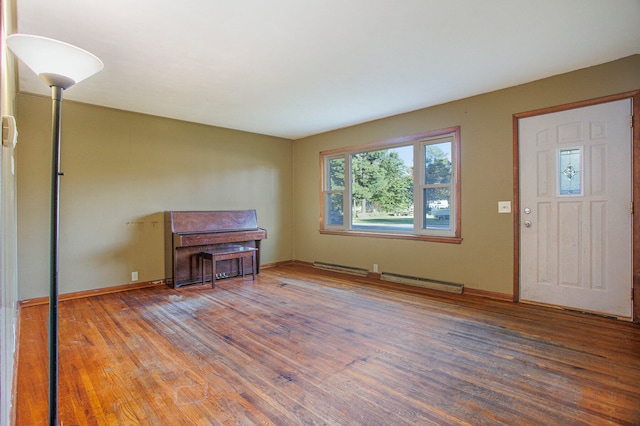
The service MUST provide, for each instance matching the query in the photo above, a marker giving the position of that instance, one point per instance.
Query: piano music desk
(224, 253)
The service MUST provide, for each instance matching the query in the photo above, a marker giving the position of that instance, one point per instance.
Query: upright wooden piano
(188, 233)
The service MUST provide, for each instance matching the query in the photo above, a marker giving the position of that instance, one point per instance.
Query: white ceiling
(293, 68)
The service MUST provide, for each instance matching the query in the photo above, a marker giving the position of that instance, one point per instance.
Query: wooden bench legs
(233, 252)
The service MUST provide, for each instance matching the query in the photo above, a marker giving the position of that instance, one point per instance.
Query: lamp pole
(56, 114)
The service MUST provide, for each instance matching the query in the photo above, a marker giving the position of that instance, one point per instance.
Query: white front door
(575, 208)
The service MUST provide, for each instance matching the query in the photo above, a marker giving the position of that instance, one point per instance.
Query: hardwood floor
(299, 346)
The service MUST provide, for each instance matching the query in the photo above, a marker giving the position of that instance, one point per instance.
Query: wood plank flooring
(304, 347)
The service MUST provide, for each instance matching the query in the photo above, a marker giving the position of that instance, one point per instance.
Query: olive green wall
(122, 170)
(484, 260)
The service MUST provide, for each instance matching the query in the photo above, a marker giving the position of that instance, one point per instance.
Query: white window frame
(327, 191)
(419, 142)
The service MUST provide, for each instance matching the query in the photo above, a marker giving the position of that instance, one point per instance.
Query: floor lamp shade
(57, 63)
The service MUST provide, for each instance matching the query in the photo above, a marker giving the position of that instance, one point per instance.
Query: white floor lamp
(60, 65)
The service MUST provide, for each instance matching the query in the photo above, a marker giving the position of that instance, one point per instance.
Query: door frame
(635, 258)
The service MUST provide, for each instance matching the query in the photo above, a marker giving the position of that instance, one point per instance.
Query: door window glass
(570, 171)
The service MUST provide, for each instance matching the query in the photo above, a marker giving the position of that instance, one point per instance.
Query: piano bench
(225, 253)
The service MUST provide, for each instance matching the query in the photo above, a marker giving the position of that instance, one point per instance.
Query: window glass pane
(437, 163)
(570, 169)
(336, 174)
(335, 215)
(382, 189)
(436, 208)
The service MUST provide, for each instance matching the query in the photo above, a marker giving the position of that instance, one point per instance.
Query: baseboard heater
(342, 269)
(423, 282)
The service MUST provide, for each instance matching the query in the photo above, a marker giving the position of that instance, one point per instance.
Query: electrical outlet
(504, 206)
(134, 276)
(375, 267)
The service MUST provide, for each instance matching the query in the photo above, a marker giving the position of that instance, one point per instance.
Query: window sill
(412, 237)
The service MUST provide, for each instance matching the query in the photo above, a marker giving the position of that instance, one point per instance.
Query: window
(407, 187)
(570, 178)
(335, 191)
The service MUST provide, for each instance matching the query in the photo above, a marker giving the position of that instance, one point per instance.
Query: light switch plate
(504, 206)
